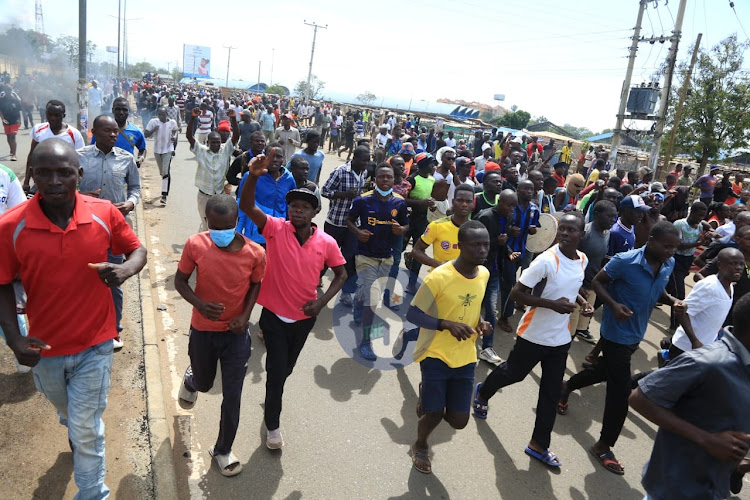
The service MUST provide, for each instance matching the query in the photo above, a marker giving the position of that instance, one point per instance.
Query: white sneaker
(274, 439)
(117, 343)
(489, 355)
(186, 397)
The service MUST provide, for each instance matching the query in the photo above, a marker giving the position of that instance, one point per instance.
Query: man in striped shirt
(205, 123)
(163, 129)
(174, 113)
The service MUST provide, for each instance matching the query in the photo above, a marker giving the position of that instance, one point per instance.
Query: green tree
(138, 69)
(277, 90)
(316, 87)
(25, 44)
(715, 115)
(516, 119)
(367, 98)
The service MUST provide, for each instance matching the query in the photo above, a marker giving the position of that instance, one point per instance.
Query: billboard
(196, 61)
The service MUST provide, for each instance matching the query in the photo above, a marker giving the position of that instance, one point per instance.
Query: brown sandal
(421, 460)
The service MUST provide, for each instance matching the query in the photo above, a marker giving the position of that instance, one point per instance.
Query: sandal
(609, 462)
(546, 457)
(421, 460)
(225, 462)
(562, 408)
(504, 325)
(480, 409)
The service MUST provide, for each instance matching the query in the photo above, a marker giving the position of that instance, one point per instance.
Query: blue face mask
(383, 193)
(222, 237)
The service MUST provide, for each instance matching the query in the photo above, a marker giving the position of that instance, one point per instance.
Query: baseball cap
(658, 187)
(424, 159)
(462, 161)
(634, 202)
(302, 194)
(246, 112)
(714, 168)
(491, 165)
(516, 140)
(224, 126)
(407, 149)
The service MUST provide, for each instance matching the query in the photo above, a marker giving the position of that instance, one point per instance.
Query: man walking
(70, 311)
(288, 136)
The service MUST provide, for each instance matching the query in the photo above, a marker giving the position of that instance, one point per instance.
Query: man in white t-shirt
(382, 138)
(708, 305)
(543, 335)
(54, 127)
(450, 141)
(163, 130)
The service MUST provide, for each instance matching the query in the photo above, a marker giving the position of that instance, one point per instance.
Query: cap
(516, 140)
(246, 112)
(658, 187)
(224, 126)
(634, 202)
(407, 149)
(303, 195)
(424, 159)
(645, 171)
(491, 165)
(561, 164)
(288, 117)
(462, 161)
(714, 168)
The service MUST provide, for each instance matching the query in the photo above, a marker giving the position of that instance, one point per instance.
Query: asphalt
(348, 424)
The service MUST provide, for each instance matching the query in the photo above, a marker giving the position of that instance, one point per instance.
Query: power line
(731, 4)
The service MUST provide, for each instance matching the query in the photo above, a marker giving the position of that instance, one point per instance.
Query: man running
(130, 136)
(163, 129)
(296, 252)
(447, 308)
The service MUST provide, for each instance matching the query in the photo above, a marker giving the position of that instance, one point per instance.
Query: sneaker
(346, 299)
(117, 343)
(399, 346)
(186, 396)
(365, 349)
(13, 158)
(163, 199)
(274, 439)
(489, 355)
(586, 336)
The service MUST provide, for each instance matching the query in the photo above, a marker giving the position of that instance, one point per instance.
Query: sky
(562, 60)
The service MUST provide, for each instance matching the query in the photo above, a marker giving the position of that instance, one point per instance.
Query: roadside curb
(162, 464)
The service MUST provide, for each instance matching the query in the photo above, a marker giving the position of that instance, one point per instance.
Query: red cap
(224, 125)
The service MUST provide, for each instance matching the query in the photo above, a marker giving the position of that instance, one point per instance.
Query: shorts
(446, 387)
(11, 129)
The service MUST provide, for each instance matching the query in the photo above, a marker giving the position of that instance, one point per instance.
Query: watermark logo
(378, 315)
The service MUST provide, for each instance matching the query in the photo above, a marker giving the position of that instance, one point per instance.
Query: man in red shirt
(559, 174)
(296, 252)
(57, 242)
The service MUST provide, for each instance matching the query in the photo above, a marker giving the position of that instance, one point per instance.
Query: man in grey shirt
(110, 173)
(247, 127)
(701, 403)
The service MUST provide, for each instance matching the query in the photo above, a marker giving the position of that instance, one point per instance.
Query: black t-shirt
(10, 107)
(496, 226)
(721, 192)
(480, 203)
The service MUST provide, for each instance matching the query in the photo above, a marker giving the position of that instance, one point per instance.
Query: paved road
(348, 426)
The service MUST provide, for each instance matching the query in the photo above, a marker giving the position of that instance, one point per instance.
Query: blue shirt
(270, 196)
(135, 135)
(634, 285)
(375, 215)
(523, 219)
(315, 161)
(620, 239)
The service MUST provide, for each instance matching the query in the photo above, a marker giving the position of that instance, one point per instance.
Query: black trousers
(417, 226)
(522, 359)
(232, 351)
(614, 368)
(347, 242)
(284, 342)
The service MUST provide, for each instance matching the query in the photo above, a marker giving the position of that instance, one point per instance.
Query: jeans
(117, 294)
(522, 359)
(77, 385)
(232, 351)
(614, 367)
(284, 342)
(417, 227)
(507, 281)
(489, 304)
(347, 242)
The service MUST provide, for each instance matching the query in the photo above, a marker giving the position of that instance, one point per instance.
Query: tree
(68, 45)
(316, 87)
(25, 44)
(367, 98)
(715, 115)
(138, 69)
(277, 90)
(516, 119)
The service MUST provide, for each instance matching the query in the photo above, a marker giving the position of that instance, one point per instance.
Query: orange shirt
(222, 277)
(68, 306)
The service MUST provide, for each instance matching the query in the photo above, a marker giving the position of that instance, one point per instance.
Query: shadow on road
(55, 481)
(346, 377)
(16, 387)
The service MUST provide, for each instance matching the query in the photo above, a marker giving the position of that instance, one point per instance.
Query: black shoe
(164, 199)
(586, 336)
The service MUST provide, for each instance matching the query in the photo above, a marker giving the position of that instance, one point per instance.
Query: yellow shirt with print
(447, 294)
(442, 234)
(566, 155)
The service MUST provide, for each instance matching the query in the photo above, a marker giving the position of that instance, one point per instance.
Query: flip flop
(480, 409)
(224, 461)
(562, 408)
(546, 457)
(609, 462)
(421, 460)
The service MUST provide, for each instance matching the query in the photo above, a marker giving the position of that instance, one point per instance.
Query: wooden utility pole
(681, 102)
(661, 117)
(312, 53)
(626, 83)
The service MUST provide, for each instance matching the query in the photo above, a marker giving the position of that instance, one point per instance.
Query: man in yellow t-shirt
(447, 308)
(442, 235)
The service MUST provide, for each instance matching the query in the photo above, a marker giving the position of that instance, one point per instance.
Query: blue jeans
(489, 305)
(116, 290)
(77, 385)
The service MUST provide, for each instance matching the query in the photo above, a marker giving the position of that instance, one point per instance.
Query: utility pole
(119, 23)
(257, 85)
(229, 57)
(312, 53)
(83, 112)
(273, 52)
(681, 102)
(626, 83)
(661, 117)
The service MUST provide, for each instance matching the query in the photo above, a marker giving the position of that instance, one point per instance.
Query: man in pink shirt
(296, 253)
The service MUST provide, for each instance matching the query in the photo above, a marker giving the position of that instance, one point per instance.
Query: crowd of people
(621, 241)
